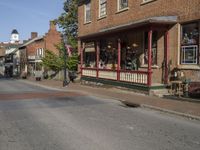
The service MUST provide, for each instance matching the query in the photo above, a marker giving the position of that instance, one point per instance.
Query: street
(37, 118)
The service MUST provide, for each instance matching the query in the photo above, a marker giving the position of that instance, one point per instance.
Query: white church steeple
(14, 36)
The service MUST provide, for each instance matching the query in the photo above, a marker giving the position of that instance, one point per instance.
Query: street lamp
(65, 82)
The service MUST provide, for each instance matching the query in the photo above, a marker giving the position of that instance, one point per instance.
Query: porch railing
(108, 74)
(89, 72)
(138, 77)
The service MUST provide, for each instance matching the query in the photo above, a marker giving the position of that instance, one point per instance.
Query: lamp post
(65, 82)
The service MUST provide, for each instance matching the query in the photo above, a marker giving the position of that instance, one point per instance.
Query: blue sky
(27, 16)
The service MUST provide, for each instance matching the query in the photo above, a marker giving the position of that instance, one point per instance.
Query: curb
(131, 104)
(171, 112)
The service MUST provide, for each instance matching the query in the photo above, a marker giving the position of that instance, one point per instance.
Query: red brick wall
(52, 38)
(186, 10)
(32, 47)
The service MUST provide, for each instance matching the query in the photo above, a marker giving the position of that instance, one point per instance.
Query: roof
(31, 41)
(164, 20)
(14, 31)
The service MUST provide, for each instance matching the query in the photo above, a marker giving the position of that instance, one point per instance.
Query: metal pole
(65, 82)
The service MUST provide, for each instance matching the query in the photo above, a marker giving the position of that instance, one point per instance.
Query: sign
(90, 47)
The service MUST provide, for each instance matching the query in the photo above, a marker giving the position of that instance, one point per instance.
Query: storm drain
(130, 104)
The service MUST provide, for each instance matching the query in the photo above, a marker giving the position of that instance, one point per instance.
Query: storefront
(127, 54)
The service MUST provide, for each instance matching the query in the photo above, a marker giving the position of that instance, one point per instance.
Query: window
(189, 54)
(108, 54)
(39, 52)
(154, 48)
(89, 58)
(190, 43)
(102, 8)
(88, 12)
(122, 4)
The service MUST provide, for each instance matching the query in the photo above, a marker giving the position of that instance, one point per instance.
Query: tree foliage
(52, 61)
(68, 21)
(55, 62)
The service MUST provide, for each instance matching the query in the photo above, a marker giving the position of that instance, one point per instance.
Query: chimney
(52, 25)
(34, 35)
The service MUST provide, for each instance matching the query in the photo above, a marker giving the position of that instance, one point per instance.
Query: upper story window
(88, 12)
(102, 8)
(122, 4)
(40, 52)
(190, 43)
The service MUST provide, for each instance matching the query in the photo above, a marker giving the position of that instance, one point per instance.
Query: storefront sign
(90, 47)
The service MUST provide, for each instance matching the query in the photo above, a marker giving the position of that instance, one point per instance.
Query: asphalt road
(35, 118)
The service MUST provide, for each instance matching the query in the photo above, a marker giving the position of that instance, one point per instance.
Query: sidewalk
(183, 108)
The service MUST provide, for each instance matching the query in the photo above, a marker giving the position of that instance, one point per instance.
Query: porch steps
(159, 92)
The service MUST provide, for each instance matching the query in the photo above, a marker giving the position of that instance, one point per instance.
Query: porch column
(97, 57)
(149, 82)
(166, 56)
(119, 60)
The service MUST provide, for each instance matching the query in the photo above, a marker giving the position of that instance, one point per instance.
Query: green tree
(68, 21)
(55, 62)
(52, 61)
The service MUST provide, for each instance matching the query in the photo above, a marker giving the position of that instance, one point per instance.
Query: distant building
(14, 36)
(7, 52)
(32, 52)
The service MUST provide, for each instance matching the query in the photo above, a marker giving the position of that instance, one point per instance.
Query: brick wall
(32, 47)
(186, 10)
(52, 38)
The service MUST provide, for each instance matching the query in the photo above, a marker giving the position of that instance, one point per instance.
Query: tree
(52, 61)
(68, 21)
(55, 62)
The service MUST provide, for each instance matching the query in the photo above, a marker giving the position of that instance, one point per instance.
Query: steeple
(14, 36)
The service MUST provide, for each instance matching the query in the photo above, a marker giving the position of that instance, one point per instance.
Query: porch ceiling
(161, 20)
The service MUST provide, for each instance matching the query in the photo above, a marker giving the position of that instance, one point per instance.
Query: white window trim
(85, 21)
(147, 1)
(196, 53)
(118, 7)
(102, 16)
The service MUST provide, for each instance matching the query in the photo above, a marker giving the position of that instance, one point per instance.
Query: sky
(27, 16)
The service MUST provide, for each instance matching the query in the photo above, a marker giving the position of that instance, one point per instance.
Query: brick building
(140, 43)
(33, 50)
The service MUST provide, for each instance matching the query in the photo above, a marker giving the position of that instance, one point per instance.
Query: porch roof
(161, 20)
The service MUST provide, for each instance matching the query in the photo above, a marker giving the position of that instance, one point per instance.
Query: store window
(108, 54)
(88, 12)
(122, 4)
(190, 43)
(154, 48)
(129, 56)
(102, 8)
(89, 58)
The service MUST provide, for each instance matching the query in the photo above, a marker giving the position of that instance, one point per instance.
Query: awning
(162, 20)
